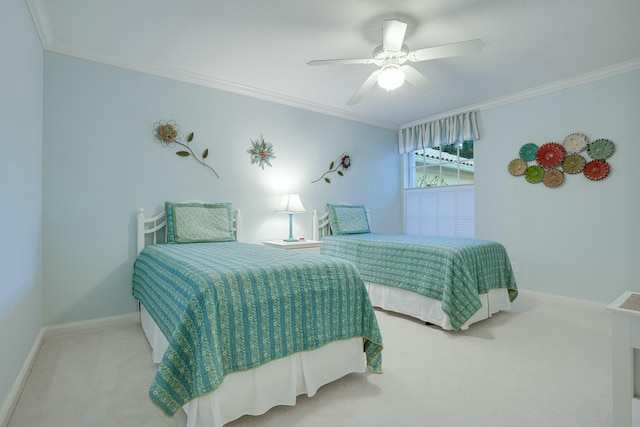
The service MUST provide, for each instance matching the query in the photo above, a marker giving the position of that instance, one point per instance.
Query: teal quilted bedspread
(454, 271)
(228, 307)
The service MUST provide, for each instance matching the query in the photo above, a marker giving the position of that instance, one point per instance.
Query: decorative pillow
(199, 222)
(348, 219)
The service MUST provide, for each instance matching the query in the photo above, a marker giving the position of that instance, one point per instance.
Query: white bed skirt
(430, 310)
(278, 382)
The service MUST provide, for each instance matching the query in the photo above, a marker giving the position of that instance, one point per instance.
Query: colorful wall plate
(517, 167)
(596, 170)
(573, 164)
(534, 174)
(575, 142)
(550, 155)
(553, 178)
(601, 149)
(528, 152)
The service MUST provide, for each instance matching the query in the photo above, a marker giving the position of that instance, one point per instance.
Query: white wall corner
(14, 395)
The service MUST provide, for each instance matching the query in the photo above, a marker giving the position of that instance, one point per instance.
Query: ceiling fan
(392, 55)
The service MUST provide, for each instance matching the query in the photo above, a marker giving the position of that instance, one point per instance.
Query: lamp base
(291, 238)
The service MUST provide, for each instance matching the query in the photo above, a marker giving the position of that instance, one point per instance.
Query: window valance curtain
(445, 131)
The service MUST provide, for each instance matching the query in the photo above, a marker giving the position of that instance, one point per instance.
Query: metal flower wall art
(554, 160)
(168, 134)
(261, 152)
(338, 167)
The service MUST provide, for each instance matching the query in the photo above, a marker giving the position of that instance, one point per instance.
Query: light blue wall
(101, 164)
(20, 191)
(579, 240)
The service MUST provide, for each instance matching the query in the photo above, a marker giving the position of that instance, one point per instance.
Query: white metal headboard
(322, 226)
(152, 230)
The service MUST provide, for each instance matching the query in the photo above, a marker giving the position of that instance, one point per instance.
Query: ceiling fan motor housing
(382, 56)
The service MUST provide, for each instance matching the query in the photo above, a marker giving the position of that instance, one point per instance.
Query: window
(439, 191)
(440, 166)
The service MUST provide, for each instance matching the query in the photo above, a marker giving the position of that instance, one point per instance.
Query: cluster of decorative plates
(553, 160)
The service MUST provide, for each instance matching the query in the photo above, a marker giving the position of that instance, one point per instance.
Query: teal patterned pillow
(199, 222)
(348, 219)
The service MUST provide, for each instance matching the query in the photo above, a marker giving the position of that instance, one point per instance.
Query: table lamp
(291, 204)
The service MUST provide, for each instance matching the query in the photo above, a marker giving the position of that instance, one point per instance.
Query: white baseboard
(558, 298)
(49, 331)
(86, 325)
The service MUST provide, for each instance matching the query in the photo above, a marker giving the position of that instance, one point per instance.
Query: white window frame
(440, 211)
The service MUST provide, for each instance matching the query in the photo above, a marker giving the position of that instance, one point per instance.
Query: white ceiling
(261, 48)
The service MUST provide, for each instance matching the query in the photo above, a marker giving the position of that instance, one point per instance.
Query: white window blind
(440, 211)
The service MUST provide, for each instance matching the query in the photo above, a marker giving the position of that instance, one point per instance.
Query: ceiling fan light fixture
(391, 77)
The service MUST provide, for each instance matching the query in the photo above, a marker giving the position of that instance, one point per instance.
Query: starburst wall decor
(261, 152)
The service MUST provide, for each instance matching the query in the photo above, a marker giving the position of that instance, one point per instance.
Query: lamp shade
(391, 77)
(291, 204)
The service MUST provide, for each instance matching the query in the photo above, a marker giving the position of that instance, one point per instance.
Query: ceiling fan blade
(393, 34)
(446, 50)
(340, 61)
(361, 92)
(415, 77)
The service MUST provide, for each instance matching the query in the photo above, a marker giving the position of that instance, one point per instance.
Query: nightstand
(298, 245)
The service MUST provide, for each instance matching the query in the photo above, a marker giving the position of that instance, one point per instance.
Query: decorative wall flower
(343, 165)
(261, 152)
(168, 134)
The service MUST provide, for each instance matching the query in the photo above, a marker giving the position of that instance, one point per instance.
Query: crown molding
(43, 26)
(223, 85)
(589, 77)
(202, 80)
(40, 16)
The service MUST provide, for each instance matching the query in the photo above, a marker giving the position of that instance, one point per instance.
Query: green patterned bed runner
(228, 307)
(454, 271)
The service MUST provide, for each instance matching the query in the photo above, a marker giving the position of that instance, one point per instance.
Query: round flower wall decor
(528, 152)
(534, 174)
(601, 149)
(596, 170)
(553, 178)
(517, 167)
(550, 155)
(261, 152)
(575, 142)
(573, 164)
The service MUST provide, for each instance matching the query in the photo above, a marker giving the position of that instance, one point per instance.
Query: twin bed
(239, 328)
(449, 282)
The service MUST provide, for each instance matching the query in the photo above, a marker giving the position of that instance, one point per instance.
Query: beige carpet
(545, 363)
